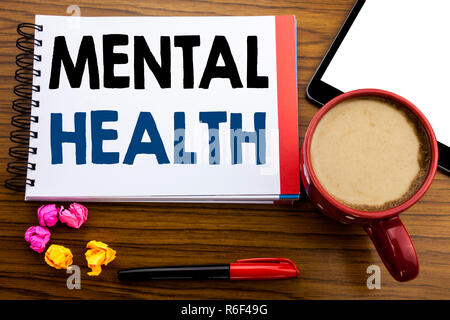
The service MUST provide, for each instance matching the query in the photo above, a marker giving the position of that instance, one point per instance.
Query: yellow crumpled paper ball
(58, 257)
(98, 254)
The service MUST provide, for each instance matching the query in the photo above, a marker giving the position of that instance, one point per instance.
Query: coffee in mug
(370, 153)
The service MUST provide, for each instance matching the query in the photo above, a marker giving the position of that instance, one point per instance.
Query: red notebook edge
(286, 57)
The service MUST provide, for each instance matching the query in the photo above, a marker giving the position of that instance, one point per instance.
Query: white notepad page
(401, 46)
(146, 177)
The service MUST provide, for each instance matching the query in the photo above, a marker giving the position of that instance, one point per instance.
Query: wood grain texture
(332, 258)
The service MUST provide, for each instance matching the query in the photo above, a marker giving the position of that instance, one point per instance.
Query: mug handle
(395, 248)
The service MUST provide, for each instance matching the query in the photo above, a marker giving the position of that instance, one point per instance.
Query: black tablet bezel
(320, 92)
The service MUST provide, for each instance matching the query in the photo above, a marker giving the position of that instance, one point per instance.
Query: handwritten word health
(146, 124)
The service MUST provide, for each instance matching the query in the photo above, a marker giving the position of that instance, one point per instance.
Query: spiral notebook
(156, 109)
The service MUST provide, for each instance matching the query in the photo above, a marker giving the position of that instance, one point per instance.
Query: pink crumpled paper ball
(48, 215)
(75, 216)
(37, 237)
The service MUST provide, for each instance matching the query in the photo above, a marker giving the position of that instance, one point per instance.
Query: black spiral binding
(23, 106)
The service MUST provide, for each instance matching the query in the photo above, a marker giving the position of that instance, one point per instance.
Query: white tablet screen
(401, 46)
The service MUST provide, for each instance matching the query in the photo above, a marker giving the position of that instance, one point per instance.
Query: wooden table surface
(332, 257)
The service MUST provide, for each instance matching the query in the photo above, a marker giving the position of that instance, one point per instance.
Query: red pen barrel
(263, 269)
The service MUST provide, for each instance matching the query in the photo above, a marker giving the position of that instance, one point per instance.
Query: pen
(245, 269)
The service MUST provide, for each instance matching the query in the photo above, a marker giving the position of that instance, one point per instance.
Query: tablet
(400, 46)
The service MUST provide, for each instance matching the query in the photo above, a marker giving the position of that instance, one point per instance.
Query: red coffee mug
(384, 228)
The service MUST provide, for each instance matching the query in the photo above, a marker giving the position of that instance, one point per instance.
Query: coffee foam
(353, 159)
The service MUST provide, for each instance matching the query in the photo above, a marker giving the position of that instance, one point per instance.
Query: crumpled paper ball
(48, 215)
(75, 216)
(58, 257)
(37, 237)
(98, 254)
